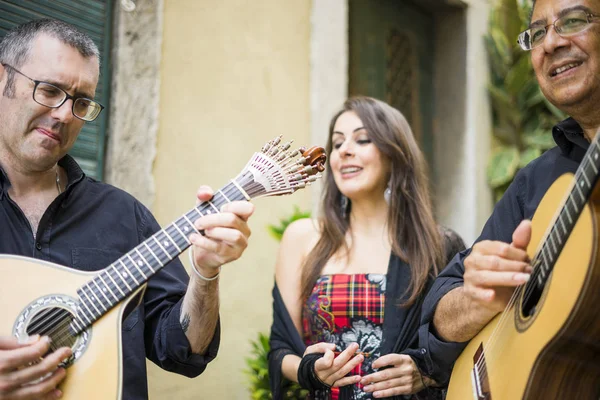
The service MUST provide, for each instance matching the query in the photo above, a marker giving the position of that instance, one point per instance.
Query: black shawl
(400, 324)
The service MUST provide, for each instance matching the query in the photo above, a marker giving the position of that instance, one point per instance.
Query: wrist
(205, 274)
(307, 376)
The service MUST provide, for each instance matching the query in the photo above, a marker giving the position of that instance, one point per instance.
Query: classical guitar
(84, 310)
(546, 343)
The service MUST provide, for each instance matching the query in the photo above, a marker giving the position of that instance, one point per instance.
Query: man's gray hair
(15, 46)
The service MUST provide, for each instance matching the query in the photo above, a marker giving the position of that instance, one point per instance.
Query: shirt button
(423, 351)
(38, 246)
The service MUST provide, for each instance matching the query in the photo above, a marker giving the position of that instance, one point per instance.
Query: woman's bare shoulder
(298, 240)
(302, 229)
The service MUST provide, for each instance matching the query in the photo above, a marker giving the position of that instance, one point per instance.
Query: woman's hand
(332, 370)
(402, 377)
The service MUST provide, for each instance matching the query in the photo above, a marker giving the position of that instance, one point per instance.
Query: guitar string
(502, 323)
(537, 258)
(577, 178)
(252, 189)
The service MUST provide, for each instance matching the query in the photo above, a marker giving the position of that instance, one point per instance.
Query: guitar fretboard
(128, 273)
(585, 180)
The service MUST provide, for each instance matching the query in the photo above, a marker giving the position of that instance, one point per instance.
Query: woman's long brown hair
(413, 232)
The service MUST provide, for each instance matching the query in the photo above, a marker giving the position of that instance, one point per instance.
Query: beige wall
(233, 75)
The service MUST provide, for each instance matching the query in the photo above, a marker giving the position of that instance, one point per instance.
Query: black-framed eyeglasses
(569, 24)
(52, 96)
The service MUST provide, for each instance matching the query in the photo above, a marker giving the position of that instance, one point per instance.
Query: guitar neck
(127, 274)
(275, 170)
(584, 182)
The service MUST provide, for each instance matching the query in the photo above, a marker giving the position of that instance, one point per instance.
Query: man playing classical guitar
(51, 211)
(564, 41)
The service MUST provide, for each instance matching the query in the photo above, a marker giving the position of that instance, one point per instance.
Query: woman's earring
(387, 194)
(344, 204)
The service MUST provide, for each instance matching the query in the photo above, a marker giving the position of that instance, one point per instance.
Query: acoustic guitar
(546, 343)
(84, 310)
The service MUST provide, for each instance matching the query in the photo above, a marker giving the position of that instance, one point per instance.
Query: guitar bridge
(479, 376)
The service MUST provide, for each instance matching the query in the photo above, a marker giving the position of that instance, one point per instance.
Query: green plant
(258, 362)
(258, 373)
(522, 117)
(277, 230)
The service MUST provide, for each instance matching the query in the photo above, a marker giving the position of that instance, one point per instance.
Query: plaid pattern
(343, 309)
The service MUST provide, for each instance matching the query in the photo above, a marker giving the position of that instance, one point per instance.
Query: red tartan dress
(344, 309)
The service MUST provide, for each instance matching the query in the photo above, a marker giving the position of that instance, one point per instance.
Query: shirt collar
(74, 174)
(569, 137)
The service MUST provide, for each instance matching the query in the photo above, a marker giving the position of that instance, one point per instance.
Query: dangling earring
(387, 194)
(344, 205)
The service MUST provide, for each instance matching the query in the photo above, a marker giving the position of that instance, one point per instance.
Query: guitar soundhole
(531, 297)
(54, 323)
(52, 316)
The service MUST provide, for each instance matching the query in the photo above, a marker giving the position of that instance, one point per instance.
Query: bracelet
(195, 269)
(307, 376)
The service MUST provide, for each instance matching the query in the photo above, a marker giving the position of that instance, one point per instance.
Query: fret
(540, 281)
(115, 282)
(568, 214)
(580, 193)
(137, 267)
(545, 263)
(552, 241)
(576, 207)
(177, 237)
(172, 241)
(198, 211)
(242, 191)
(91, 300)
(162, 248)
(82, 312)
(562, 224)
(127, 271)
(191, 224)
(590, 170)
(587, 181)
(183, 235)
(97, 296)
(123, 275)
(102, 291)
(213, 206)
(593, 165)
(223, 194)
(144, 260)
(233, 192)
(153, 255)
(78, 326)
(108, 287)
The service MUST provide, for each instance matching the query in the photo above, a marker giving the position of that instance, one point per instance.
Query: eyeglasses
(569, 24)
(52, 96)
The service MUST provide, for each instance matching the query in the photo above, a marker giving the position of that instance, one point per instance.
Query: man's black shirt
(518, 203)
(87, 227)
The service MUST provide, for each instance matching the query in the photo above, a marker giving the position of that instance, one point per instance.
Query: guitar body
(553, 353)
(96, 373)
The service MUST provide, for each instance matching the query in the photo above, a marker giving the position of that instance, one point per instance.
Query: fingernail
(520, 277)
(367, 388)
(57, 394)
(29, 340)
(529, 269)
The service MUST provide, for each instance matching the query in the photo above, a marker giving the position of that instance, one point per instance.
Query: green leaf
(518, 76)
(540, 139)
(277, 230)
(522, 117)
(529, 155)
(502, 166)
